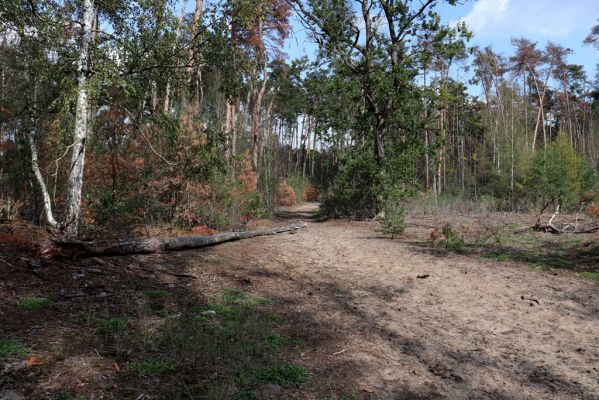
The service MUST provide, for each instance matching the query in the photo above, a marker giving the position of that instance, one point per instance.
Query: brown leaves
(285, 195)
(33, 361)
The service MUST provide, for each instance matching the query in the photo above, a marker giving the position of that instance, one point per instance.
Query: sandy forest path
(396, 321)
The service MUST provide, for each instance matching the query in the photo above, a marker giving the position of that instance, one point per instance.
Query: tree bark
(40, 179)
(257, 112)
(77, 249)
(75, 181)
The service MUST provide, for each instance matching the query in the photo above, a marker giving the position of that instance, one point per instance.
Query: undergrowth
(226, 348)
(33, 303)
(12, 348)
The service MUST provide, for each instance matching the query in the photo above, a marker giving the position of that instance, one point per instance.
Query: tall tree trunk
(167, 92)
(257, 113)
(75, 181)
(313, 154)
(198, 89)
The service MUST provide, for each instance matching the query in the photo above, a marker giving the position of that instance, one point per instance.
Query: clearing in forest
(334, 310)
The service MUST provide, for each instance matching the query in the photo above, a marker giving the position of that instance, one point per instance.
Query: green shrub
(452, 240)
(393, 221)
(357, 190)
(560, 173)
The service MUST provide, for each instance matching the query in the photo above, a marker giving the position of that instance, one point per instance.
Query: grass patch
(285, 375)
(12, 348)
(592, 276)
(33, 303)
(152, 367)
(274, 318)
(112, 326)
(157, 294)
(239, 297)
(540, 267)
(238, 340)
(538, 261)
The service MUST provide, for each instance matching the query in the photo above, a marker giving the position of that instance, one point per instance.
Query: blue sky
(496, 22)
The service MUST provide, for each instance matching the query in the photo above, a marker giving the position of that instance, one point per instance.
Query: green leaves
(560, 173)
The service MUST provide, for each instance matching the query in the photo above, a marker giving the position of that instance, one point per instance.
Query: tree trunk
(75, 181)
(40, 179)
(77, 249)
(256, 115)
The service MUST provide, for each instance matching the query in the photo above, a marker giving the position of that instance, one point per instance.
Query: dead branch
(78, 249)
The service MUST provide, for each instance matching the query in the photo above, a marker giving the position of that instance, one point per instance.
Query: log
(48, 250)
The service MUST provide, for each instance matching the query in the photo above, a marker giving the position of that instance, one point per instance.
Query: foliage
(452, 240)
(176, 116)
(36, 302)
(356, 191)
(12, 348)
(393, 221)
(157, 294)
(152, 367)
(285, 375)
(592, 276)
(561, 174)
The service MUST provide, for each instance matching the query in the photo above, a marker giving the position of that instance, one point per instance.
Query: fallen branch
(78, 249)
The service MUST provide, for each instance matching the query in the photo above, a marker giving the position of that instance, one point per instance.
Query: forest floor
(333, 311)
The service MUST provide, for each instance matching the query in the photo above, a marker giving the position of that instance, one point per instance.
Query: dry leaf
(33, 361)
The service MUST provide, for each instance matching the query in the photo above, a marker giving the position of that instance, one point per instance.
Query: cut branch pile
(552, 226)
(48, 250)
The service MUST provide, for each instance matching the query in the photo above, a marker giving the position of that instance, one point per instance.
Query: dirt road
(394, 321)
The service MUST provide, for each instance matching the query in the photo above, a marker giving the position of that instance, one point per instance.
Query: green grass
(592, 276)
(111, 326)
(157, 294)
(239, 339)
(239, 297)
(538, 260)
(274, 318)
(33, 303)
(12, 348)
(285, 375)
(540, 267)
(152, 367)
(233, 352)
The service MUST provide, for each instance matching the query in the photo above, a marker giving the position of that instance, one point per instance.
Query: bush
(561, 174)
(286, 196)
(357, 190)
(393, 221)
(310, 193)
(452, 240)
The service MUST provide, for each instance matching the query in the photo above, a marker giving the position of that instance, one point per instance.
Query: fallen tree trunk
(78, 249)
(566, 228)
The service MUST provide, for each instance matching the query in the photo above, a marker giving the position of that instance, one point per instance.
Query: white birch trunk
(75, 182)
(40, 179)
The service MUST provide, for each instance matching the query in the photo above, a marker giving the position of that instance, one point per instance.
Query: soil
(381, 318)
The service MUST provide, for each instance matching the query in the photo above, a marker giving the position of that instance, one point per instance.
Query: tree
(375, 47)
(561, 175)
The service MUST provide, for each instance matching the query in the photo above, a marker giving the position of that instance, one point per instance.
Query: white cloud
(486, 13)
(549, 19)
